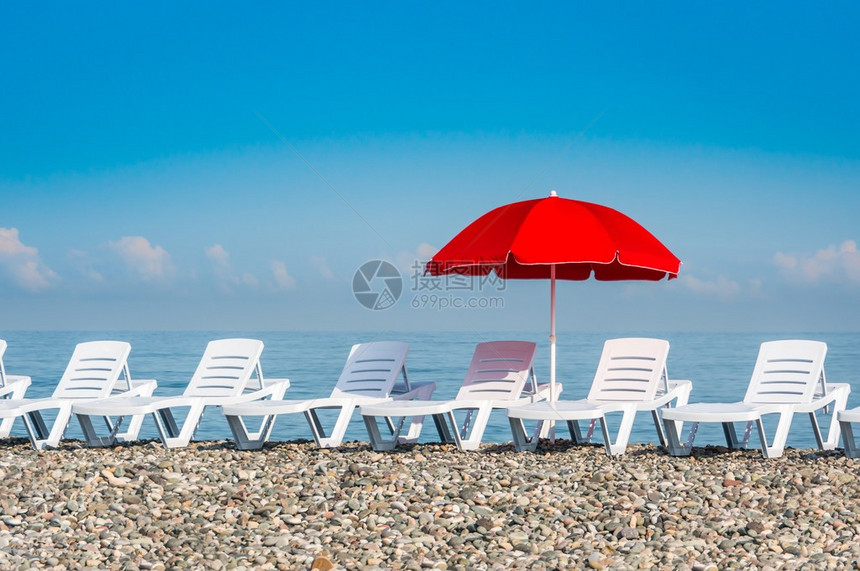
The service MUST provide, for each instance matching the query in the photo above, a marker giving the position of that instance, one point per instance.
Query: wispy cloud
(142, 259)
(414, 261)
(283, 279)
(223, 269)
(23, 264)
(83, 263)
(320, 265)
(837, 264)
(720, 287)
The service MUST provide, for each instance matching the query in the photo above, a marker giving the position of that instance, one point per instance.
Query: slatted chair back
(630, 369)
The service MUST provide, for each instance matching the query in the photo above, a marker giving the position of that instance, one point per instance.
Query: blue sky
(222, 166)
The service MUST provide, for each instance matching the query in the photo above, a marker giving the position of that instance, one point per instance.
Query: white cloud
(148, 262)
(23, 264)
(840, 264)
(720, 288)
(218, 255)
(320, 265)
(413, 262)
(224, 274)
(248, 279)
(283, 280)
(84, 264)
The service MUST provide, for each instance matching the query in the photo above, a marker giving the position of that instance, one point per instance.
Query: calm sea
(719, 364)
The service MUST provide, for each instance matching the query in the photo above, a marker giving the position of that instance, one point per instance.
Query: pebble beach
(292, 506)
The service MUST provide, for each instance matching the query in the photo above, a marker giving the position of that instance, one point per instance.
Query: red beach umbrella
(556, 238)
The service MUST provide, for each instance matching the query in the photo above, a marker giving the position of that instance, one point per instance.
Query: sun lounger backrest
(499, 371)
(787, 372)
(93, 370)
(630, 369)
(372, 369)
(226, 368)
(2, 368)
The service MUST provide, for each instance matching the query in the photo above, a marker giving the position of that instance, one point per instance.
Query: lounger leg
(628, 415)
(171, 436)
(521, 440)
(133, 431)
(377, 442)
(163, 431)
(267, 425)
(590, 434)
(40, 429)
(33, 431)
(472, 440)
(18, 390)
(674, 446)
(6, 426)
(36, 427)
(317, 429)
(446, 435)
(833, 431)
(782, 428)
(575, 432)
(732, 436)
(607, 442)
(658, 424)
(90, 434)
(415, 426)
(169, 423)
(816, 431)
(848, 441)
(243, 439)
(339, 429)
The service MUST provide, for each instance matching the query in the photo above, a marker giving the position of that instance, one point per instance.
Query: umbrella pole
(552, 335)
(552, 395)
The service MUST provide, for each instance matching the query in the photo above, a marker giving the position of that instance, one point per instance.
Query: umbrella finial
(553, 193)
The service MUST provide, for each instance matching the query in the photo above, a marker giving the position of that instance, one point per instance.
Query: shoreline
(211, 506)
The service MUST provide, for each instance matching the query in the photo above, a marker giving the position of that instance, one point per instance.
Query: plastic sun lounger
(369, 376)
(846, 418)
(221, 378)
(630, 377)
(788, 378)
(93, 372)
(12, 387)
(495, 380)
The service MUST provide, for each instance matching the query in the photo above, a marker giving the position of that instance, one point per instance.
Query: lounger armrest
(678, 389)
(274, 388)
(15, 383)
(418, 391)
(776, 408)
(276, 384)
(139, 388)
(543, 393)
(837, 393)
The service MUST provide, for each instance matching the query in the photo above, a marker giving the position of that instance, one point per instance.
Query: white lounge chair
(223, 375)
(496, 379)
(846, 418)
(788, 378)
(93, 372)
(369, 376)
(12, 387)
(630, 377)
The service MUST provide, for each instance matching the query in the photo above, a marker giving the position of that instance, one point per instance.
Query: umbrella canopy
(525, 240)
(556, 238)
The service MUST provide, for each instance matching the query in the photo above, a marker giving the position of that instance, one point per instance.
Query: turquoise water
(719, 364)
